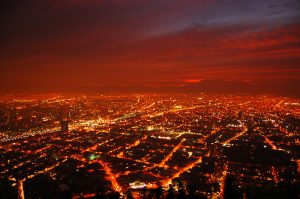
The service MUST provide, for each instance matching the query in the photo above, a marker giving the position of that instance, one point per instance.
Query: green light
(93, 157)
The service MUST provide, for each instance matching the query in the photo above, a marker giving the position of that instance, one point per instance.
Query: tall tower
(64, 126)
(213, 126)
(215, 150)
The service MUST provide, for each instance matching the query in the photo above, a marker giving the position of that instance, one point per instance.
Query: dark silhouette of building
(215, 150)
(64, 125)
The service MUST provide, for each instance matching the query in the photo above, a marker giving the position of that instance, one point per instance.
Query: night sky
(50, 44)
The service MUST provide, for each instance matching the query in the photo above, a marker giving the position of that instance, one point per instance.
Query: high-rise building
(64, 125)
(215, 150)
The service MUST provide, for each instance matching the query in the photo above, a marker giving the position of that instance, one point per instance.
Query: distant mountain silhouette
(289, 88)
